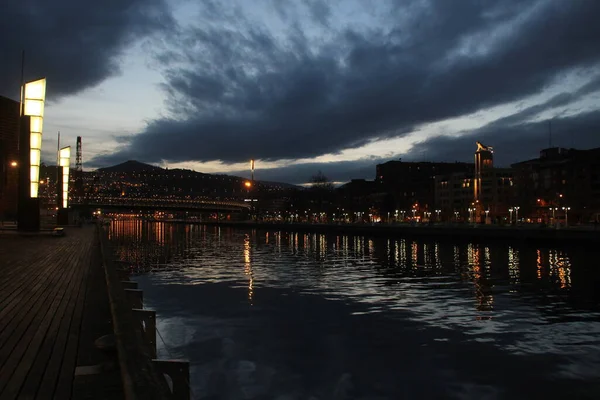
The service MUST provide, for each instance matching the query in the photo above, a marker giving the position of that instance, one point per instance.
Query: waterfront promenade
(53, 305)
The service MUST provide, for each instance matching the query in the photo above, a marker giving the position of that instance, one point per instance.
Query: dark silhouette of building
(481, 195)
(560, 178)
(453, 193)
(356, 196)
(412, 184)
(484, 167)
(9, 155)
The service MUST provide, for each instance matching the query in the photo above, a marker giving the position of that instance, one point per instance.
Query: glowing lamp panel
(65, 163)
(34, 97)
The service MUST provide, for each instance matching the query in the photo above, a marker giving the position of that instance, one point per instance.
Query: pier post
(135, 298)
(129, 284)
(147, 321)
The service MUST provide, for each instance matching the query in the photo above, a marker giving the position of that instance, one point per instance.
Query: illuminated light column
(34, 97)
(65, 163)
(31, 120)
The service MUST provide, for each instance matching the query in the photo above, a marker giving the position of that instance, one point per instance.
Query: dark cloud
(242, 93)
(514, 142)
(338, 171)
(75, 44)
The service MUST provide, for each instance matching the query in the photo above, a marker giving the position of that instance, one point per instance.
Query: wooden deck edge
(140, 378)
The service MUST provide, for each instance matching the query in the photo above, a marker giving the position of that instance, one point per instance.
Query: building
(412, 184)
(481, 195)
(454, 195)
(9, 146)
(560, 178)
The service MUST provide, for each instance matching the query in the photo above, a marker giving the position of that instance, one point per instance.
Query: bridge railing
(188, 203)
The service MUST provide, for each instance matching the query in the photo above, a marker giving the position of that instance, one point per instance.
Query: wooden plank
(31, 349)
(14, 348)
(31, 299)
(51, 374)
(14, 333)
(27, 271)
(26, 289)
(13, 259)
(30, 386)
(15, 268)
(64, 386)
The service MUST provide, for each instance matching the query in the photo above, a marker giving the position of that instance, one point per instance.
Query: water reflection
(248, 267)
(560, 268)
(279, 286)
(149, 246)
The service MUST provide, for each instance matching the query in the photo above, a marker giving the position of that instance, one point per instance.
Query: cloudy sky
(307, 85)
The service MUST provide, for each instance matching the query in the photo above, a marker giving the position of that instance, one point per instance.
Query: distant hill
(131, 166)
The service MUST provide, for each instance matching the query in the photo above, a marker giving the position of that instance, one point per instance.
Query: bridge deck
(42, 290)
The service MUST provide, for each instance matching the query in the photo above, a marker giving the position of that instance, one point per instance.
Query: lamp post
(33, 95)
(414, 213)
(487, 214)
(456, 215)
(438, 214)
(566, 210)
(553, 209)
(510, 210)
(402, 212)
(396, 215)
(517, 214)
(470, 213)
(254, 213)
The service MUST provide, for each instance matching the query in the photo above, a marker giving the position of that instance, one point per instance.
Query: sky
(307, 85)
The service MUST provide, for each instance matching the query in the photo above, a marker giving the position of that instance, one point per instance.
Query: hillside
(131, 166)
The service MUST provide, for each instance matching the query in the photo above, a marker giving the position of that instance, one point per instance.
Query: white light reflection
(248, 269)
(514, 272)
(560, 268)
(436, 258)
(414, 254)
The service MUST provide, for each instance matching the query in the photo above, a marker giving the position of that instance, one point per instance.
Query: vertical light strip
(35, 94)
(65, 163)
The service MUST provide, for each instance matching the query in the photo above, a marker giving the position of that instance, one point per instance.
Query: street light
(456, 215)
(510, 210)
(553, 209)
(487, 214)
(438, 214)
(517, 214)
(34, 98)
(414, 213)
(14, 164)
(470, 213)
(65, 162)
(566, 209)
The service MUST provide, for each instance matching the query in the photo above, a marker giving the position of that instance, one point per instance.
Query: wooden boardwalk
(42, 291)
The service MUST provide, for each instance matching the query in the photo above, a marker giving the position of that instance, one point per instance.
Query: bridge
(160, 204)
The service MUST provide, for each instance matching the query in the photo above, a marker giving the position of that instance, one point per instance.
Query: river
(280, 315)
